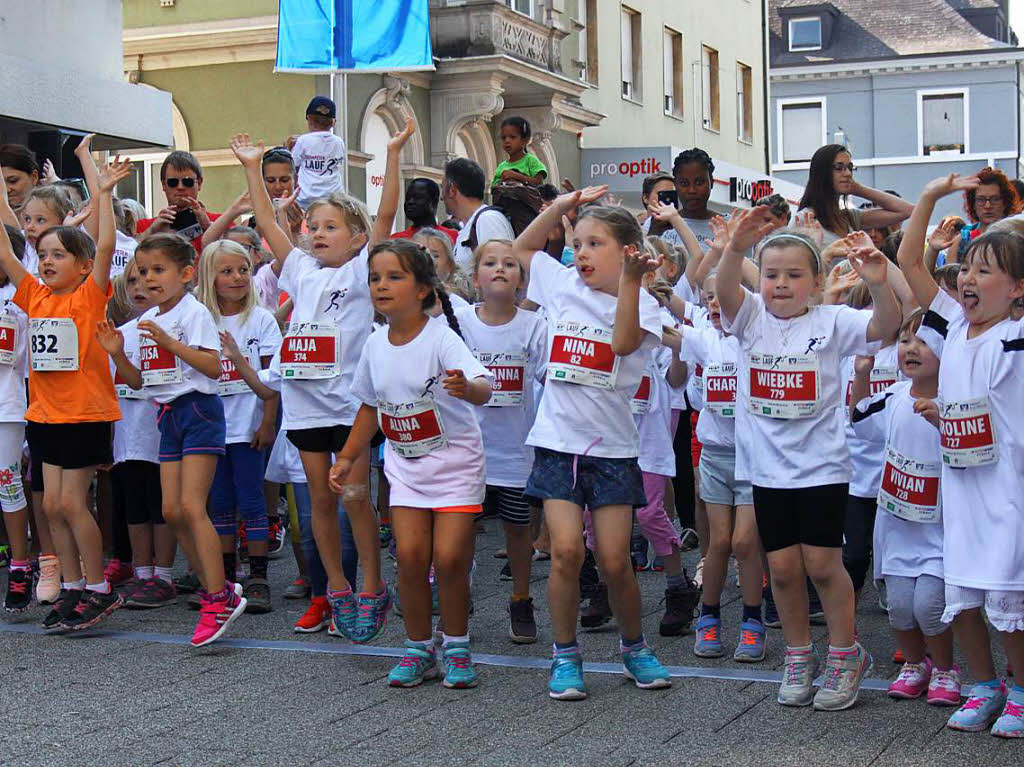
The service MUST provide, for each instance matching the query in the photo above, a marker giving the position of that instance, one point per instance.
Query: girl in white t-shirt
(978, 415)
(419, 381)
(330, 323)
(908, 529)
(510, 342)
(45, 207)
(226, 289)
(179, 356)
(791, 442)
(601, 329)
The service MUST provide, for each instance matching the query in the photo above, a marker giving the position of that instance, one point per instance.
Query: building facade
(916, 89)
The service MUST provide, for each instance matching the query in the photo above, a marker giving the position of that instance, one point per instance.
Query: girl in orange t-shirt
(71, 396)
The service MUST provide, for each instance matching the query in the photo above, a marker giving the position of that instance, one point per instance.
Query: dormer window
(805, 33)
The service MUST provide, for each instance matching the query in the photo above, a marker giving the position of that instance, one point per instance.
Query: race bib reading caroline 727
(966, 434)
(582, 354)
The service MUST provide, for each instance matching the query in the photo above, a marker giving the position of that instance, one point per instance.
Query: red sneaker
(898, 657)
(117, 572)
(316, 618)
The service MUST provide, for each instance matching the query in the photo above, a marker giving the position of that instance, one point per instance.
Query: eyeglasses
(839, 167)
(978, 200)
(172, 183)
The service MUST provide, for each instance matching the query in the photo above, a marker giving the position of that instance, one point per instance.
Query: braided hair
(417, 260)
(693, 155)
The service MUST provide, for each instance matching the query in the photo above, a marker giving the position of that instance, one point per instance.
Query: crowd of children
(825, 416)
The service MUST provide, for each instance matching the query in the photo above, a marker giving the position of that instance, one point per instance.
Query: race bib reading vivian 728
(909, 489)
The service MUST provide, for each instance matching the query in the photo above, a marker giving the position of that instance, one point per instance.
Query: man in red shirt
(421, 200)
(181, 177)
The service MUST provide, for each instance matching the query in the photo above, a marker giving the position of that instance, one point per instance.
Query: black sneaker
(814, 609)
(522, 626)
(598, 611)
(62, 608)
(91, 609)
(589, 577)
(187, 583)
(257, 594)
(506, 572)
(771, 612)
(680, 608)
(638, 552)
(19, 591)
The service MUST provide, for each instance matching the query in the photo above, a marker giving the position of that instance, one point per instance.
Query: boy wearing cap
(319, 154)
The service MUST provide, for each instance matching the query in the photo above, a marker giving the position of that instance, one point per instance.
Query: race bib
(124, 391)
(582, 354)
(509, 374)
(881, 379)
(720, 388)
(158, 365)
(783, 387)
(53, 344)
(231, 381)
(311, 350)
(8, 339)
(967, 435)
(413, 428)
(910, 489)
(698, 379)
(641, 402)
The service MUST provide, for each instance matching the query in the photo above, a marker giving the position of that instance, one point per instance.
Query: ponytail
(446, 307)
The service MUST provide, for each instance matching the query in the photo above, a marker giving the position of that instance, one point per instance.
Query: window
(524, 7)
(673, 64)
(631, 55)
(712, 107)
(744, 103)
(588, 40)
(805, 34)
(942, 122)
(801, 128)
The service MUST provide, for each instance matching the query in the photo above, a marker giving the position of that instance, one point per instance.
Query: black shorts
(810, 515)
(509, 503)
(137, 494)
(69, 445)
(320, 439)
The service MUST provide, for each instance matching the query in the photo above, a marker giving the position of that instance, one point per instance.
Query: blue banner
(353, 36)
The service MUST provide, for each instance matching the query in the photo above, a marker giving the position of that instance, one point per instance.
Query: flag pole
(339, 95)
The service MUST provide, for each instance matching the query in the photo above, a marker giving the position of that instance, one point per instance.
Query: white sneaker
(843, 674)
(698, 575)
(48, 585)
(798, 674)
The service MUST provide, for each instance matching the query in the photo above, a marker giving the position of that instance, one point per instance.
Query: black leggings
(137, 496)
(858, 531)
(683, 485)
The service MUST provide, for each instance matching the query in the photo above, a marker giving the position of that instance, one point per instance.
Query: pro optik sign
(623, 168)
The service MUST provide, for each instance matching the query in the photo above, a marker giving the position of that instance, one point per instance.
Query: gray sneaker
(798, 674)
(522, 626)
(841, 683)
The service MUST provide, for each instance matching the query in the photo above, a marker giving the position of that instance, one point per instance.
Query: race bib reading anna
(509, 372)
(311, 350)
(582, 354)
(784, 387)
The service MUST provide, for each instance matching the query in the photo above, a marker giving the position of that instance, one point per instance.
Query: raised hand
(954, 182)
(863, 365)
(858, 239)
(49, 174)
(114, 172)
(109, 338)
(248, 153)
(663, 212)
(870, 264)
(944, 235)
(661, 290)
(153, 332)
(591, 194)
(398, 140)
(76, 219)
(85, 145)
(638, 263)
(672, 338)
(749, 228)
(928, 409)
(229, 347)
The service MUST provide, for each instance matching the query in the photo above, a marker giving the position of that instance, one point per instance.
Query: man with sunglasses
(181, 177)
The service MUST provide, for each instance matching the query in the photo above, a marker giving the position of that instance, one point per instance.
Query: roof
(883, 29)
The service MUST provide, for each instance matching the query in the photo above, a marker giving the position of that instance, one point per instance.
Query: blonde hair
(55, 198)
(207, 290)
(457, 281)
(353, 211)
(120, 307)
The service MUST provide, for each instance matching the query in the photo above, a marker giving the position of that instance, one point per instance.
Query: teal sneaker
(646, 671)
(708, 643)
(983, 705)
(343, 613)
(1011, 723)
(371, 616)
(751, 648)
(566, 681)
(459, 673)
(415, 667)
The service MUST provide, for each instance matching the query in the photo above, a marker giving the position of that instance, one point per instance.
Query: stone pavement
(128, 695)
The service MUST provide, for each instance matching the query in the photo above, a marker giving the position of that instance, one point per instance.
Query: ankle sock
(100, 588)
(715, 611)
(339, 594)
(427, 645)
(565, 647)
(73, 585)
(804, 648)
(834, 649)
(144, 573)
(258, 566)
(628, 645)
(449, 639)
(165, 574)
(752, 613)
(20, 564)
(675, 581)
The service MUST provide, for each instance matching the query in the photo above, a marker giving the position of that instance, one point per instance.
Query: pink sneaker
(117, 572)
(944, 689)
(216, 616)
(912, 681)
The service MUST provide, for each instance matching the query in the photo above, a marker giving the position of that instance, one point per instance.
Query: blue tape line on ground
(485, 659)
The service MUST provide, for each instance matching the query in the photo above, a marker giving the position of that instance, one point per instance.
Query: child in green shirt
(521, 165)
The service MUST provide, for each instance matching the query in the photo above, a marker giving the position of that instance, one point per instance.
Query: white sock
(73, 585)
(101, 588)
(164, 573)
(449, 639)
(144, 573)
(427, 645)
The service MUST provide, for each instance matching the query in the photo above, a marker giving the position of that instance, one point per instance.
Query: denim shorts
(585, 480)
(718, 483)
(192, 424)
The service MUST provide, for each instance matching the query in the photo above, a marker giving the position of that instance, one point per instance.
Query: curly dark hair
(693, 155)
(1011, 200)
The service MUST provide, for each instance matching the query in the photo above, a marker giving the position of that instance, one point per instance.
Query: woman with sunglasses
(831, 178)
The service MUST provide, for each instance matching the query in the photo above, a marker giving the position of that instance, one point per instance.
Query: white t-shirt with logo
(512, 352)
(575, 418)
(319, 160)
(695, 316)
(490, 225)
(867, 457)
(983, 506)
(192, 324)
(136, 435)
(655, 426)
(31, 259)
(392, 377)
(327, 295)
(901, 547)
(265, 283)
(13, 347)
(795, 452)
(707, 346)
(257, 337)
(124, 249)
